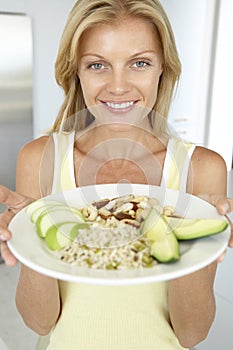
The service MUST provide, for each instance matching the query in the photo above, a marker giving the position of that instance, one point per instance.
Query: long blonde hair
(84, 15)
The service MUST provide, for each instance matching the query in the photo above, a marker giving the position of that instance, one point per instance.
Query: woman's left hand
(224, 206)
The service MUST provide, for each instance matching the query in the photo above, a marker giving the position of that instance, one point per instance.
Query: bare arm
(37, 296)
(191, 298)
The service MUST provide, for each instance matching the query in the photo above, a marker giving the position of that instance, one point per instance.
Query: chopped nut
(144, 204)
(110, 205)
(124, 208)
(132, 213)
(139, 199)
(104, 213)
(101, 203)
(126, 198)
(122, 216)
(138, 213)
(168, 211)
(90, 213)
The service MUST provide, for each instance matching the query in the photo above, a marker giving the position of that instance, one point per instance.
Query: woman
(118, 66)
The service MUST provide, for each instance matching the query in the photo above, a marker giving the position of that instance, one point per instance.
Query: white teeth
(119, 105)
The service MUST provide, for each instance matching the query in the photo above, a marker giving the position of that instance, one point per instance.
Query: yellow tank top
(115, 317)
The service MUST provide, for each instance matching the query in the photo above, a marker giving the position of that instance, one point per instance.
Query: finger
(13, 200)
(7, 256)
(223, 204)
(221, 258)
(5, 219)
(230, 244)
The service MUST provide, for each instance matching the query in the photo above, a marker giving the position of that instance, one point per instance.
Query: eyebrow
(134, 55)
(143, 52)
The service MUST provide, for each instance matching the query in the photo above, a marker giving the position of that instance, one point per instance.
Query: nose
(118, 82)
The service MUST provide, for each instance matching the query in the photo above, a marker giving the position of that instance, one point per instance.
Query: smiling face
(119, 66)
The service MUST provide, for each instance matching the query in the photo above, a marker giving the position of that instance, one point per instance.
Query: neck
(118, 141)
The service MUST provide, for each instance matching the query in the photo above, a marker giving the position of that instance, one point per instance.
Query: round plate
(33, 252)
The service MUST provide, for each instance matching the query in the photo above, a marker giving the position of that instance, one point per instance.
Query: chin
(120, 127)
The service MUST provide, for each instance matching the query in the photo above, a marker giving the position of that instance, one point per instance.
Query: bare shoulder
(36, 144)
(28, 166)
(205, 157)
(209, 171)
(33, 150)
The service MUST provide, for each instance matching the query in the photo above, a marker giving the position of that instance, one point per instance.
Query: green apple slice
(185, 229)
(43, 209)
(61, 235)
(166, 250)
(41, 203)
(155, 226)
(164, 244)
(58, 215)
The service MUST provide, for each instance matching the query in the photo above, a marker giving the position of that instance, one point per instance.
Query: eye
(140, 64)
(96, 66)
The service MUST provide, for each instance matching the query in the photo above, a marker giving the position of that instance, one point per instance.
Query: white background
(198, 103)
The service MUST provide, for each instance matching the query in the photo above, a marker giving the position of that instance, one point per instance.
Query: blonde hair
(86, 14)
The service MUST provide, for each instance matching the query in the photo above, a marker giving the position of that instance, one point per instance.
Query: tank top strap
(176, 165)
(175, 172)
(63, 178)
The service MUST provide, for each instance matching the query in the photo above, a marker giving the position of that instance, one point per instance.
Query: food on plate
(164, 244)
(41, 203)
(56, 215)
(103, 234)
(119, 233)
(61, 235)
(132, 255)
(186, 229)
(164, 231)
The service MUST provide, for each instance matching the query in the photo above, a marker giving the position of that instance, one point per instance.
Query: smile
(119, 106)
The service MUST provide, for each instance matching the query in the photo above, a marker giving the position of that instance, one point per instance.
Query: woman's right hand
(14, 203)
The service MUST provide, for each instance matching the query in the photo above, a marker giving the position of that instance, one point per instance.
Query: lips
(119, 112)
(119, 105)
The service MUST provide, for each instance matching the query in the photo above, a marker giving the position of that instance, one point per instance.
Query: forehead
(130, 34)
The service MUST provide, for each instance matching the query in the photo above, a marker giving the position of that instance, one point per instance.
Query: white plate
(32, 251)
